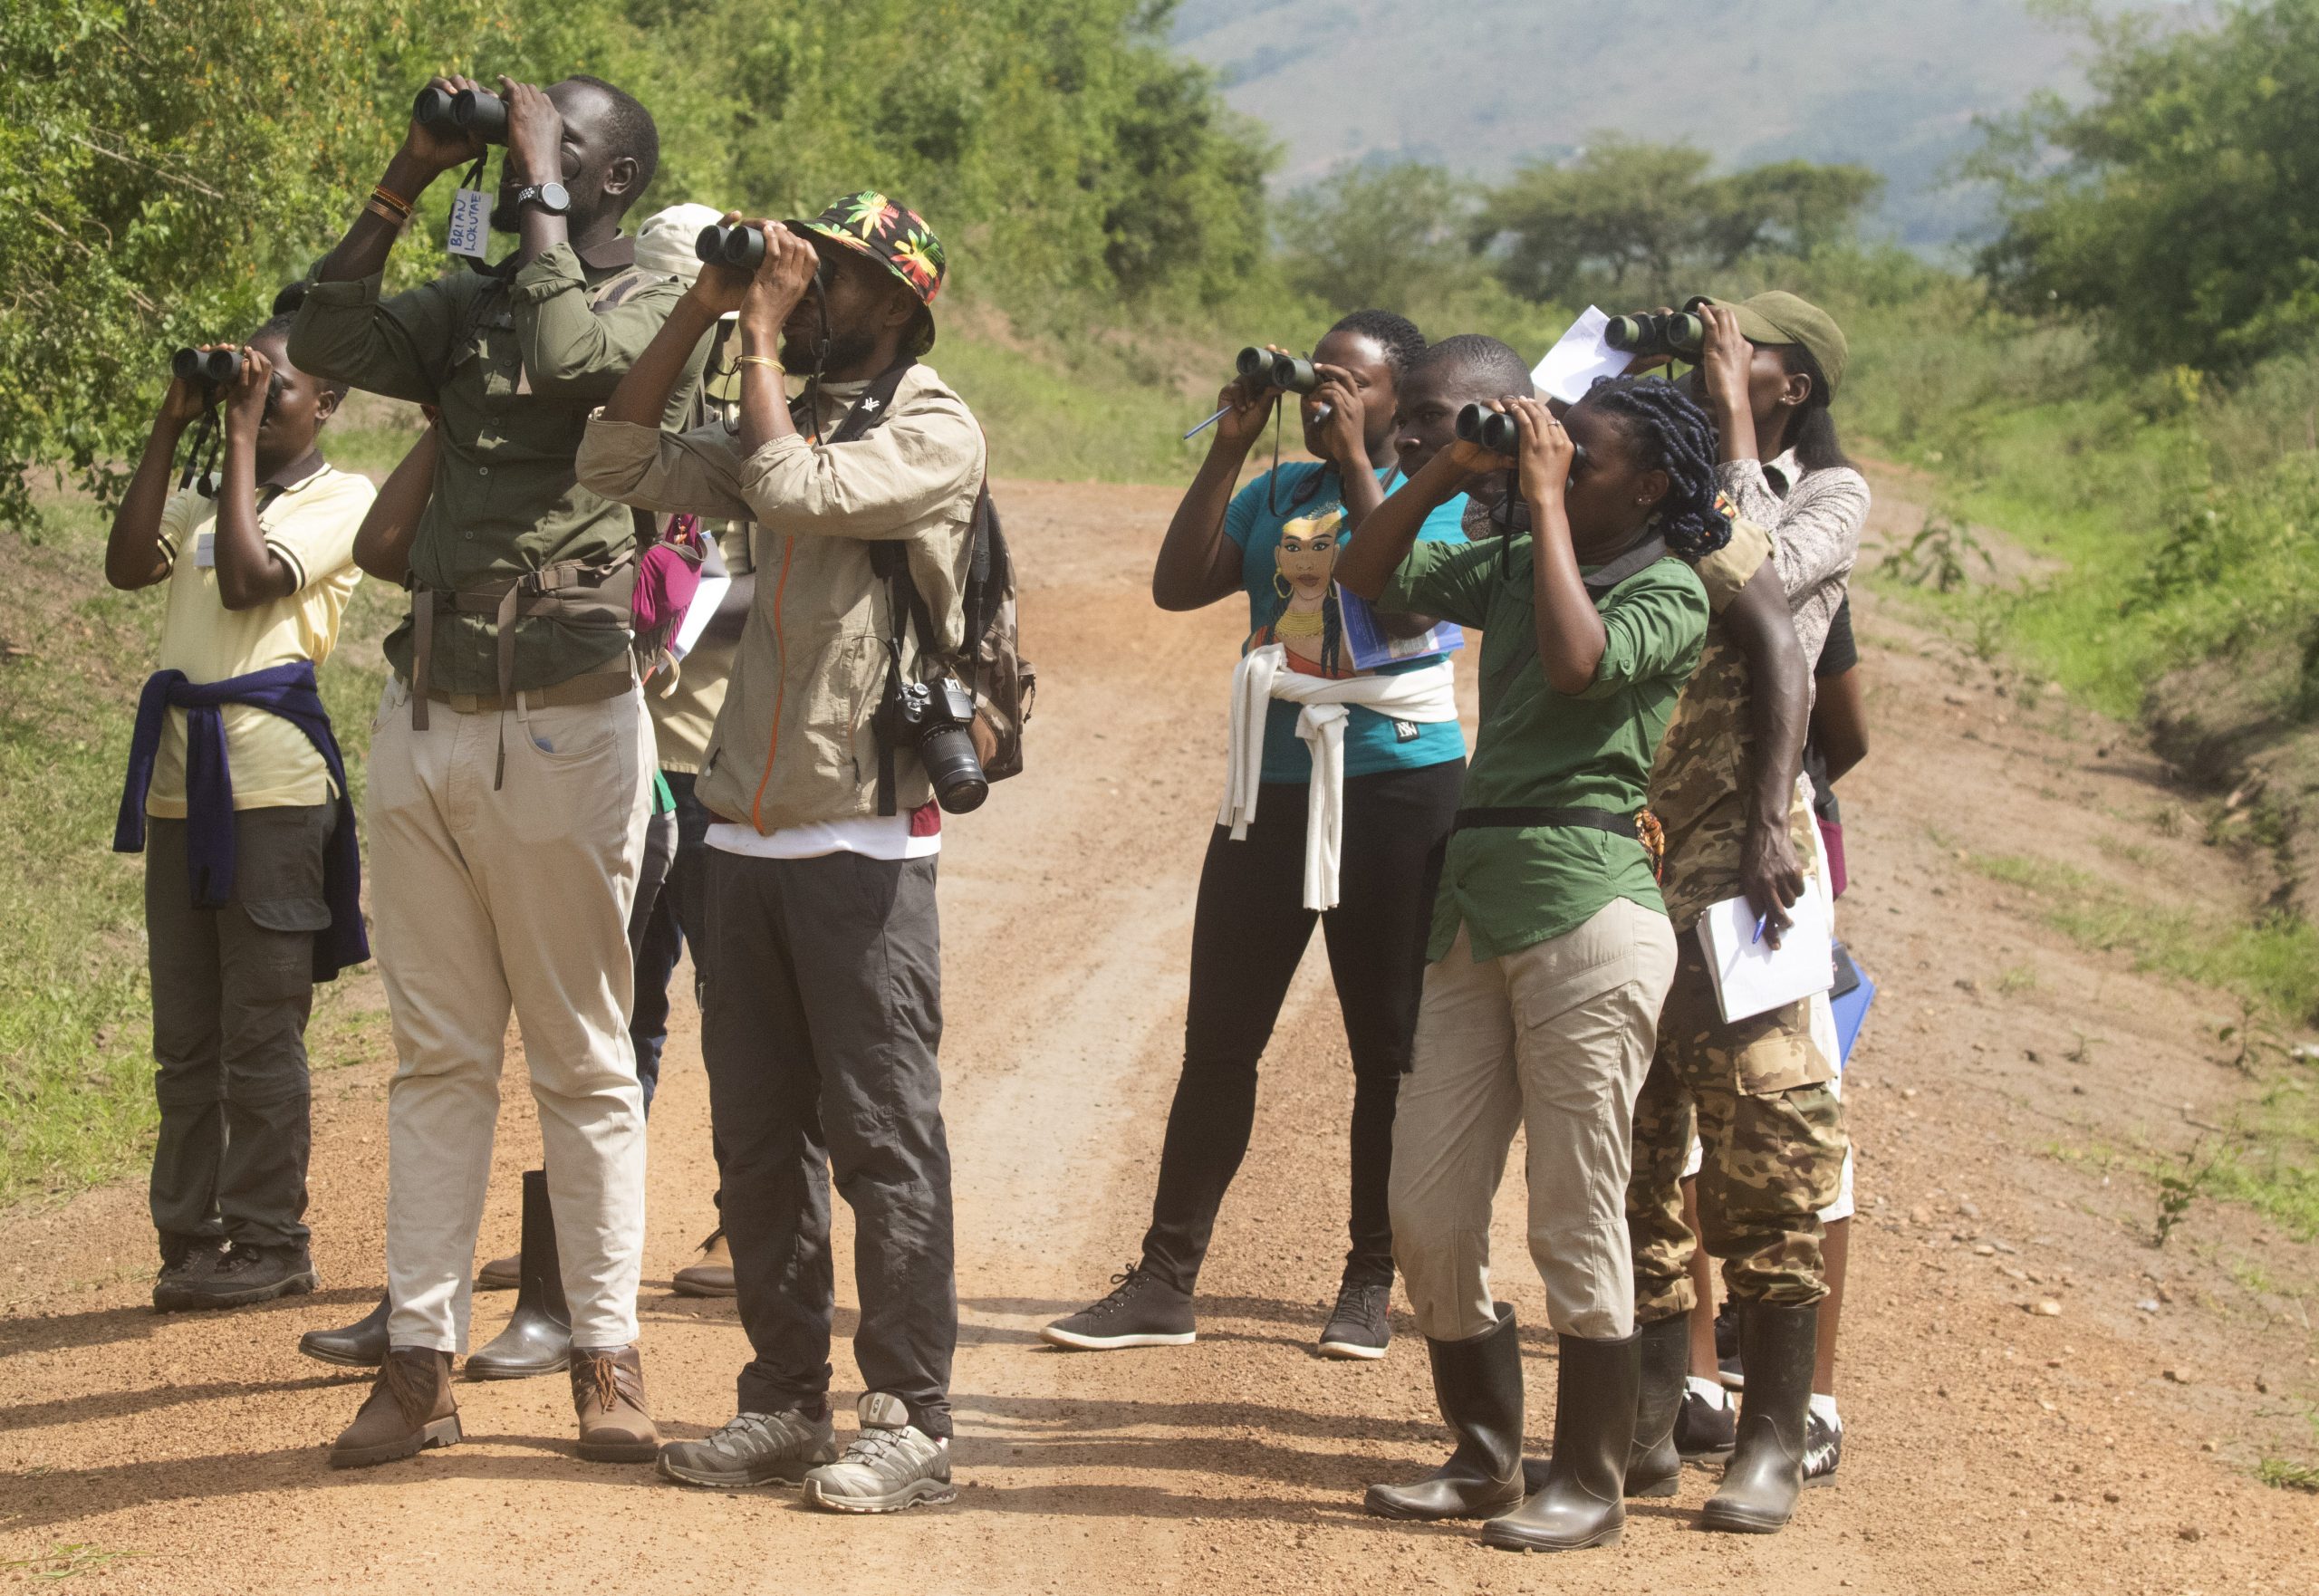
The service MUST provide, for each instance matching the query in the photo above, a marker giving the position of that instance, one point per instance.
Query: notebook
(1751, 975)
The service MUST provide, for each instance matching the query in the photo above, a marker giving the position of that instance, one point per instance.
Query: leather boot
(360, 1345)
(608, 1393)
(712, 1276)
(1656, 1467)
(1765, 1473)
(410, 1410)
(1479, 1385)
(1582, 1503)
(538, 1338)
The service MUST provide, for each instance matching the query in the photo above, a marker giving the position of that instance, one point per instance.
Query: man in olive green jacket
(824, 962)
(505, 856)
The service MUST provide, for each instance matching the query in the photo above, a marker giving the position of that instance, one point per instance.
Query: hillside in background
(1478, 86)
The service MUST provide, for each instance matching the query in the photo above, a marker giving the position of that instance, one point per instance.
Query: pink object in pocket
(668, 574)
(1832, 842)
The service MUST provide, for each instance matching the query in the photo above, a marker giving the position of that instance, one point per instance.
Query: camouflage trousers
(1772, 1136)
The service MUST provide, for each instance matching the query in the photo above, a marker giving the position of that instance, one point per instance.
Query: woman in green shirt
(1551, 948)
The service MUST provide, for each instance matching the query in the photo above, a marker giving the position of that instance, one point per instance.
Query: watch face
(554, 196)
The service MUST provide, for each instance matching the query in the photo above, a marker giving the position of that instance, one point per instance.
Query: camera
(211, 368)
(720, 245)
(1680, 334)
(468, 110)
(936, 717)
(1264, 368)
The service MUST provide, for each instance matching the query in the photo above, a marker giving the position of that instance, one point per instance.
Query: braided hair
(1671, 433)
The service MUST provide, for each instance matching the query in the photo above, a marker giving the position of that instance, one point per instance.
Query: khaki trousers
(484, 900)
(1555, 1039)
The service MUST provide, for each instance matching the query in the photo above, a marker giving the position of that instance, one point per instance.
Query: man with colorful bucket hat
(823, 954)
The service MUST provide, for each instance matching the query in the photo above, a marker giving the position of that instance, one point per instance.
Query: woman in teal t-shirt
(1274, 541)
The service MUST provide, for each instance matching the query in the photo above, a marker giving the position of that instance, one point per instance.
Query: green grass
(76, 1067)
(2283, 1475)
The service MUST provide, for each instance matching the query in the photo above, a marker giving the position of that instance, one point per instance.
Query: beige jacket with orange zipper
(795, 741)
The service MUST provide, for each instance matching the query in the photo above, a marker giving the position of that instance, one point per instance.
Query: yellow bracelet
(759, 361)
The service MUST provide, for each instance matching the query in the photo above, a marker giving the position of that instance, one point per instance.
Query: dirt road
(1990, 1447)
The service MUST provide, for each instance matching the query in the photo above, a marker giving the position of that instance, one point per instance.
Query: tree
(1384, 237)
(1644, 216)
(2175, 207)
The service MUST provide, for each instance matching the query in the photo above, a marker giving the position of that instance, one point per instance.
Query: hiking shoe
(712, 1276)
(1358, 1326)
(608, 1396)
(250, 1275)
(188, 1263)
(410, 1410)
(753, 1450)
(1705, 1428)
(891, 1465)
(1142, 1311)
(1824, 1448)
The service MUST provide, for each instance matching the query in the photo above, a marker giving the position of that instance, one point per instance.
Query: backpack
(989, 662)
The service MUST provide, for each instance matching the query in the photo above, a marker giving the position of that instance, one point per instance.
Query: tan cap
(664, 243)
(1779, 317)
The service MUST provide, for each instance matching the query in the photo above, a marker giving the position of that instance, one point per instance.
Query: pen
(1761, 920)
(1211, 421)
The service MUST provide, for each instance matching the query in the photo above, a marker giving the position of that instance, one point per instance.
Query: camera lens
(481, 113)
(432, 109)
(949, 755)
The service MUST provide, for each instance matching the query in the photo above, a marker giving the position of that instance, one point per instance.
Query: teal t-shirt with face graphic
(1307, 491)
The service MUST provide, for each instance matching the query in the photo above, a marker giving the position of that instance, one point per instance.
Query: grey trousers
(824, 1016)
(232, 990)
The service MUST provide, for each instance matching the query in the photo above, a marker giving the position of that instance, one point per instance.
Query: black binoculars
(468, 110)
(1495, 432)
(1262, 368)
(1681, 334)
(724, 244)
(210, 367)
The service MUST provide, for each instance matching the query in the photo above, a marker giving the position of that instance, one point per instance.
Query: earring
(1280, 585)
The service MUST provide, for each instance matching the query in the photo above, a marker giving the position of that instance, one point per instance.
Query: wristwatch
(551, 198)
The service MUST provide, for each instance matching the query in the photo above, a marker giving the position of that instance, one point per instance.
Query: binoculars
(1494, 430)
(1681, 334)
(468, 110)
(720, 245)
(210, 367)
(1262, 367)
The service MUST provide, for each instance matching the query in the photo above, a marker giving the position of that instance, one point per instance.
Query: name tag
(205, 552)
(470, 222)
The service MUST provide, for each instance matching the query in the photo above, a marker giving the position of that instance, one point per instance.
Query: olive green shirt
(514, 363)
(1512, 887)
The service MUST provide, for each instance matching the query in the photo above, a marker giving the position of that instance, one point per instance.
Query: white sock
(1824, 1407)
(1709, 1391)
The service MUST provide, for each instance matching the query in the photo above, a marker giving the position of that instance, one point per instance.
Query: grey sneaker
(1823, 1449)
(891, 1465)
(753, 1450)
(1142, 1311)
(1358, 1326)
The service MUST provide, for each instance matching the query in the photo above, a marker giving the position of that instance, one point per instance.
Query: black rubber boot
(1655, 1468)
(360, 1345)
(538, 1338)
(1765, 1473)
(1479, 1385)
(1582, 1503)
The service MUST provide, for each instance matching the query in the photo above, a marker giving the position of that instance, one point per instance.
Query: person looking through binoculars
(506, 856)
(1344, 773)
(823, 955)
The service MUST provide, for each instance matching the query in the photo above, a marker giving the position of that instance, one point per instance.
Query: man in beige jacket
(824, 957)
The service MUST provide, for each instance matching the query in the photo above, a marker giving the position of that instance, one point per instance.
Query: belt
(1599, 820)
(592, 687)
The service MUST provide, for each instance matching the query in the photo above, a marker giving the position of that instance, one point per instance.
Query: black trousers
(824, 1021)
(673, 914)
(232, 990)
(1249, 933)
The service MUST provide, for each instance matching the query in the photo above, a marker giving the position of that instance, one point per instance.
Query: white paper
(706, 598)
(1578, 359)
(1750, 974)
(470, 223)
(205, 552)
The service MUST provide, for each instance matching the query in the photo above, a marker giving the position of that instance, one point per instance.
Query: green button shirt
(1515, 886)
(515, 363)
